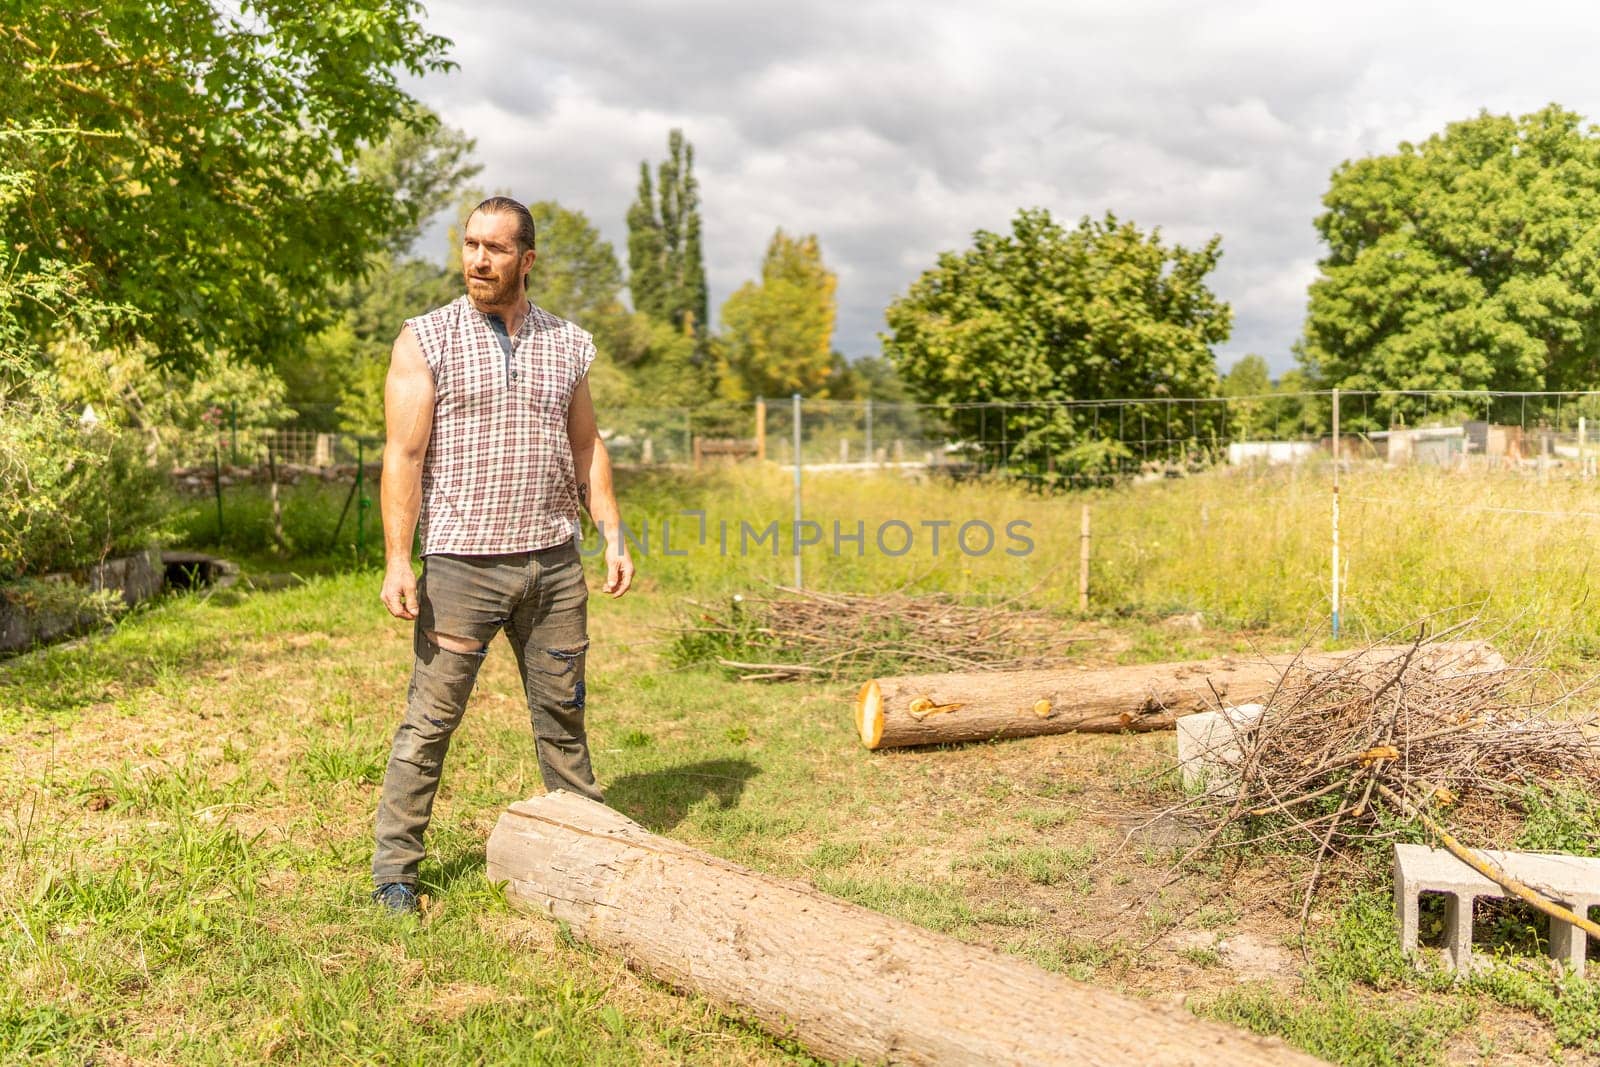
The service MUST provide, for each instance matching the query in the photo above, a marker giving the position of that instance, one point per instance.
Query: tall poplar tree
(667, 274)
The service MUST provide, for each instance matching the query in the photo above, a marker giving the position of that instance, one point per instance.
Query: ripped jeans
(541, 601)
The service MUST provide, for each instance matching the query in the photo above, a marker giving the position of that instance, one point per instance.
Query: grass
(186, 800)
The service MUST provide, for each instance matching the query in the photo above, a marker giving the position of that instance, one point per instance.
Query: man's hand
(619, 570)
(400, 589)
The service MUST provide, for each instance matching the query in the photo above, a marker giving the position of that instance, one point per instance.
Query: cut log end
(869, 714)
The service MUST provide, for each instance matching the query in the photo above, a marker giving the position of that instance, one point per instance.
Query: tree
(1246, 386)
(1046, 314)
(1471, 261)
(777, 332)
(69, 493)
(201, 158)
(667, 273)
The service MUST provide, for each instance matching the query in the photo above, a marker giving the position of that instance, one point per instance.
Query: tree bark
(938, 708)
(846, 982)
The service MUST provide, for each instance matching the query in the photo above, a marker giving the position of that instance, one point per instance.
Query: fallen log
(846, 982)
(925, 709)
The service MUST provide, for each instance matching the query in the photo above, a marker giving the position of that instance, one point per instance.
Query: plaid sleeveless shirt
(497, 477)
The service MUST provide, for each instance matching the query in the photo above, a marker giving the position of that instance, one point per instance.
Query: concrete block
(1572, 881)
(1211, 743)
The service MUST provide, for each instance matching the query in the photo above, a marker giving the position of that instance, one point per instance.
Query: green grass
(186, 801)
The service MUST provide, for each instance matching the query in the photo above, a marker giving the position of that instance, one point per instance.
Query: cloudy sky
(892, 130)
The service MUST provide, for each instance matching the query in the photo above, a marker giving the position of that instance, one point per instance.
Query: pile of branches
(797, 634)
(1370, 753)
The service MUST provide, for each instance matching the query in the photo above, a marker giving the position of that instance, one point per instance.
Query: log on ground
(928, 709)
(845, 982)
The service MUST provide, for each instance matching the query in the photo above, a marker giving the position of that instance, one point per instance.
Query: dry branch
(799, 634)
(1343, 758)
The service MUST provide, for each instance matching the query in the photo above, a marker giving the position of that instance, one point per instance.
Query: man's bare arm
(592, 465)
(408, 417)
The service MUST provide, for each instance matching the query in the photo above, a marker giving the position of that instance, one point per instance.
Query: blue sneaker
(397, 898)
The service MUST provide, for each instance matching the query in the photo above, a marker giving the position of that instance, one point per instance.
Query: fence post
(279, 542)
(233, 434)
(869, 452)
(362, 503)
(761, 429)
(1083, 564)
(1336, 513)
(799, 574)
(216, 466)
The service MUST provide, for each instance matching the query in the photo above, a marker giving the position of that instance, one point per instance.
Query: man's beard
(489, 294)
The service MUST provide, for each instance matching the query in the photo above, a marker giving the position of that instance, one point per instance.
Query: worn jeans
(541, 601)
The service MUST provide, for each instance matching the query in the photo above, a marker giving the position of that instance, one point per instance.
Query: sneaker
(397, 898)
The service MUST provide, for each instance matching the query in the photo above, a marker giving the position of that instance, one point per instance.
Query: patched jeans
(541, 601)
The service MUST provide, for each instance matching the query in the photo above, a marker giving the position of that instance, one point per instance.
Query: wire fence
(1049, 445)
(1095, 443)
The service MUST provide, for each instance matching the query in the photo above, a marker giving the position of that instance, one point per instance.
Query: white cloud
(892, 130)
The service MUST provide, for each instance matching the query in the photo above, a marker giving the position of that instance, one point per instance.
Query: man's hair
(526, 235)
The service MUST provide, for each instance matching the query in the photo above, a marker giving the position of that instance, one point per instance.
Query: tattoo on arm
(583, 495)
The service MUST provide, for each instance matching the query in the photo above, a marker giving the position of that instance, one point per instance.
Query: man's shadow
(659, 800)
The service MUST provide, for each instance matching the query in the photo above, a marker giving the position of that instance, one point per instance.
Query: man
(492, 446)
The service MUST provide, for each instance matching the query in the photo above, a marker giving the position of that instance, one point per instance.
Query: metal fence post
(799, 573)
(869, 430)
(362, 502)
(1336, 513)
(216, 461)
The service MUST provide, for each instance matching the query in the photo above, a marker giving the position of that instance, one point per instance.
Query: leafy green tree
(70, 492)
(1100, 311)
(777, 332)
(577, 275)
(867, 377)
(1470, 261)
(1247, 385)
(200, 157)
(667, 273)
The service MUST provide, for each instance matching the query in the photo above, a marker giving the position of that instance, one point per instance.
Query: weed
(634, 739)
(1201, 955)
(331, 763)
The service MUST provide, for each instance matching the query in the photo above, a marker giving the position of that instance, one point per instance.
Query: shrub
(70, 494)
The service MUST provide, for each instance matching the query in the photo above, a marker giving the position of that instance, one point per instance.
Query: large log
(846, 982)
(928, 709)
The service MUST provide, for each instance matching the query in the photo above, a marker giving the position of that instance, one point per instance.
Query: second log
(927, 709)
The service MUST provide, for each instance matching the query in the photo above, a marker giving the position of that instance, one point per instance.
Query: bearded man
(492, 447)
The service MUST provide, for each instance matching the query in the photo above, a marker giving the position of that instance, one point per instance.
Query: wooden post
(761, 429)
(845, 982)
(844, 450)
(1083, 564)
(695, 450)
(647, 453)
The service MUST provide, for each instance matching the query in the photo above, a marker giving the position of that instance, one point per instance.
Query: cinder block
(1211, 743)
(1572, 881)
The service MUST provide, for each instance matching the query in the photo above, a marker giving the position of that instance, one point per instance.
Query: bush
(70, 495)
